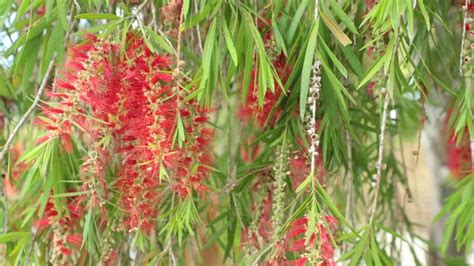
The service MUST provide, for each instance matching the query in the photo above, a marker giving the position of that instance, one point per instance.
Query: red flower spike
(75, 240)
(121, 100)
(65, 251)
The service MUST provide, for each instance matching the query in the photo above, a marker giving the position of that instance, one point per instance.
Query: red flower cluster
(252, 108)
(129, 107)
(458, 157)
(370, 4)
(262, 113)
(296, 242)
(63, 235)
(263, 230)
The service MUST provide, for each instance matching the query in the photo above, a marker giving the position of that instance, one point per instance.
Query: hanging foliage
(152, 132)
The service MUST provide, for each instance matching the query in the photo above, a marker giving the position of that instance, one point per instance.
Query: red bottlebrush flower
(200, 119)
(41, 10)
(262, 114)
(296, 232)
(327, 250)
(121, 101)
(332, 221)
(41, 224)
(299, 262)
(75, 240)
(162, 77)
(370, 4)
(42, 139)
(297, 245)
(458, 156)
(66, 142)
(64, 85)
(370, 88)
(52, 110)
(111, 258)
(295, 241)
(65, 251)
(300, 169)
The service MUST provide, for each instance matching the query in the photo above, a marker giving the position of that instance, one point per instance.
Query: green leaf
(421, 3)
(343, 16)
(307, 70)
(410, 26)
(186, 6)
(70, 194)
(229, 43)
(334, 28)
(374, 251)
(160, 41)
(278, 37)
(353, 60)
(11, 236)
(33, 153)
(296, 19)
(372, 71)
(62, 13)
(359, 249)
(207, 54)
(304, 184)
(94, 16)
(334, 59)
(23, 7)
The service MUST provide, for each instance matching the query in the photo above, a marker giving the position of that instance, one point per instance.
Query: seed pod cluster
(315, 89)
(467, 52)
(280, 170)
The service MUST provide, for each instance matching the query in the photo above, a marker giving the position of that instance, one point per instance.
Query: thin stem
(316, 10)
(172, 257)
(30, 110)
(463, 38)
(178, 49)
(405, 170)
(312, 132)
(198, 29)
(350, 202)
(153, 16)
(379, 164)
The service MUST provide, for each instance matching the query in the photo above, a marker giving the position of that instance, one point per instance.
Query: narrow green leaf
(11, 236)
(421, 3)
(94, 16)
(296, 19)
(62, 13)
(307, 70)
(207, 54)
(372, 71)
(334, 59)
(229, 43)
(343, 16)
(359, 249)
(334, 28)
(375, 251)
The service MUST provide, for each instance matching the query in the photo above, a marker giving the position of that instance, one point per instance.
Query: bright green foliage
(406, 48)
